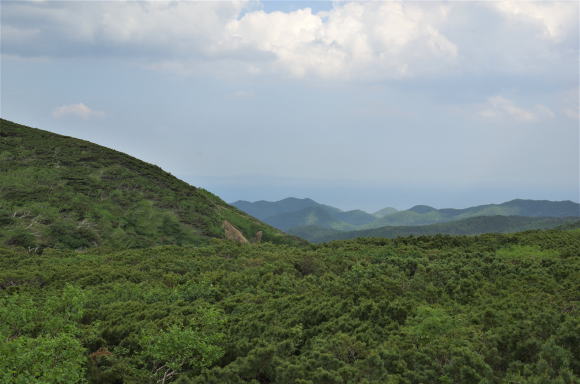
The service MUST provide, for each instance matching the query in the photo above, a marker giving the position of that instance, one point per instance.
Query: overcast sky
(354, 104)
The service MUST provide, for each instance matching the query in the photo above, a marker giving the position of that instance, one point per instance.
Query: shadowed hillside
(61, 192)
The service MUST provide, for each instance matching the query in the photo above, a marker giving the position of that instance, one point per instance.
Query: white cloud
(555, 19)
(76, 110)
(499, 107)
(353, 40)
(388, 39)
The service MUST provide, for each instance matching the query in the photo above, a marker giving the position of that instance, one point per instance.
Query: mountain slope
(385, 212)
(58, 191)
(264, 209)
(469, 226)
(293, 212)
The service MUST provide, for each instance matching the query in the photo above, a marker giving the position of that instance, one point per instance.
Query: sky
(354, 104)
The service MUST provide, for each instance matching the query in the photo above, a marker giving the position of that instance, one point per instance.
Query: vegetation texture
(440, 309)
(61, 192)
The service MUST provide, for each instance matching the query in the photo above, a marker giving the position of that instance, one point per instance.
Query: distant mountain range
(319, 222)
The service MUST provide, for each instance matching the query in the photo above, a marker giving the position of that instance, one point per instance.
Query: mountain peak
(422, 209)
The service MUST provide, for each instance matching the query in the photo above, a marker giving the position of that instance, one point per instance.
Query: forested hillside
(487, 309)
(292, 212)
(471, 226)
(61, 192)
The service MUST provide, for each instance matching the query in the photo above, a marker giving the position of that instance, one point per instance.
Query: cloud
(499, 107)
(389, 39)
(76, 110)
(353, 40)
(555, 19)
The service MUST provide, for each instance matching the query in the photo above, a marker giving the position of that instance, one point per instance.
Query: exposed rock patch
(233, 234)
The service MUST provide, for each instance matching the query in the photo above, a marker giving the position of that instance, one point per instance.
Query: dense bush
(437, 309)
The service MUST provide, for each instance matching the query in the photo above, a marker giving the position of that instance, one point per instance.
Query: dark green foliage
(471, 226)
(61, 192)
(432, 309)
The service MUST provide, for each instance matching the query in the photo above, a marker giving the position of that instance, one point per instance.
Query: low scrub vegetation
(431, 309)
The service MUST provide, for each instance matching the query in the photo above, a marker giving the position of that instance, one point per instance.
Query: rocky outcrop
(258, 238)
(233, 234)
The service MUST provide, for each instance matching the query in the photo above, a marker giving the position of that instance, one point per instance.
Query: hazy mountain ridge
(424, 215)
(385, 211)
(293, 212)
(313, 214)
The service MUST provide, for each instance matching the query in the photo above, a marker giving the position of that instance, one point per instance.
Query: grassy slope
(470, 226)
(58, 191)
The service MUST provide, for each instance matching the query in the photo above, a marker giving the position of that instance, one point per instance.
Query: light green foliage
(39, 338)
(182, 347)
(57, 359)
(526, 253)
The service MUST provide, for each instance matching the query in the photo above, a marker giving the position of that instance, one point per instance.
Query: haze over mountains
(318, 222)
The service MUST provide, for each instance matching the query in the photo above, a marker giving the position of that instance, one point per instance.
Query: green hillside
(292, 212)
(264, 209)
(61, 192)
(322, 216)
(471, 226)
(384, 212)
(490, 309)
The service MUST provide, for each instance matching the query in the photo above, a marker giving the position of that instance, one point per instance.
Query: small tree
(180, 348)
